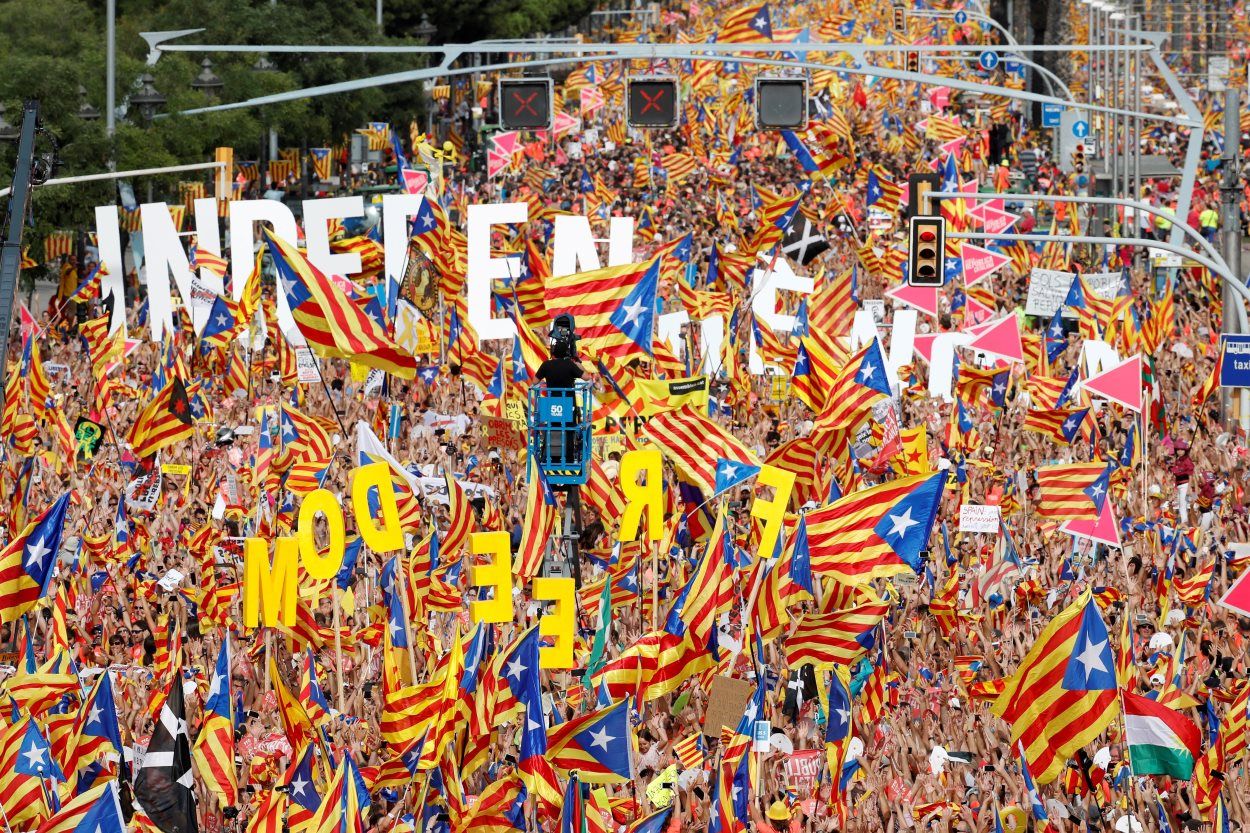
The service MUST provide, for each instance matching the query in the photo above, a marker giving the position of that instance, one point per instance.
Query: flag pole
(1145, 459)
(400, 569)
(338, 642)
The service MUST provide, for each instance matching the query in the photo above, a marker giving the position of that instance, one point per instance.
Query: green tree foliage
(52, 47)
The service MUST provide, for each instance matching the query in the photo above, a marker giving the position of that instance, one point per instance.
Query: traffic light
(900, 19)
(652, 102)
(1078, 158)
(924, 257)
(525, 103)
(781, 103)
(913, 62)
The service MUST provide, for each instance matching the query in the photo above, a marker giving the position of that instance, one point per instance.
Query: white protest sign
(171, 580)
(1049, 287)
(977, 517)
(143, 493)
(306, 365)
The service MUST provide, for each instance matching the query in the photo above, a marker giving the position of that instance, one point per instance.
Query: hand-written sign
(501, 433)
(975, 517)
(1049, 287)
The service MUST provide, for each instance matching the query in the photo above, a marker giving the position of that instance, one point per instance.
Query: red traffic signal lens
(927, 236)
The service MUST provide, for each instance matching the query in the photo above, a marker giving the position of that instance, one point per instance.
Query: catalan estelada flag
(214, 747)
(164, 421)
(695, 443)
(861, 383)
(877, 532)
(331, 323)
(595, 745)
(748, 23)
(26, 562)
(1069, 491)
(837, 638)
(1060, 424)
(344, 803)
(1063, 694)
(613, 308)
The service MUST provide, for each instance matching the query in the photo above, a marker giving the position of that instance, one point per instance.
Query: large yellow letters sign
(496, 574)
(771, 512)
(270, 590)
(638, 497)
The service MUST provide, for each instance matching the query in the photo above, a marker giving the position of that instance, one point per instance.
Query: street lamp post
(149, 100)
(208, 82)
(85, 111)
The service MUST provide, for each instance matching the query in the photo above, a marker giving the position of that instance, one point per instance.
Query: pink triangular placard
(1237, 598)
(415, 181)
(979, 209)
(1104, 529)
(1001, 339)
(923, 298)
(506, 142)
(976, 312)
(997, 222)
(1121, 384)
(496, 162)
(923, 345)
(980, 263)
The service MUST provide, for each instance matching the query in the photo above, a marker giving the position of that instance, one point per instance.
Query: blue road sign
(961, 17)
(1235, 369)
(1013, 67)
(989, 60)
(1052, 114)
(1080, 128)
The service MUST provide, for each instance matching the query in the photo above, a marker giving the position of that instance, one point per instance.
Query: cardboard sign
(514, 409)
(726, 703)
(175, 468)
(1049, 287)
(502, 434)
(975, 517)
(802, 769)
(306, 365)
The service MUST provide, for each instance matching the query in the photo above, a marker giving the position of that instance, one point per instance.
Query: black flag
(164, 784)
(803, 243)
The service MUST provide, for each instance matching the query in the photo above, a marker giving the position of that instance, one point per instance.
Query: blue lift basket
(560, 432)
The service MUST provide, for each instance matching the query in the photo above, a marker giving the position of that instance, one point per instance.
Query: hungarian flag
(1161, 741)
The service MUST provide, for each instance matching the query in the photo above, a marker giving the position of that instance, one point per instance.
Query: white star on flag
(1091, 657)
(601, 738)
(902, 523)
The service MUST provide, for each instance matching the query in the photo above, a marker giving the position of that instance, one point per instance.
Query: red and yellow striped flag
(332, 324)
(1062, 490)
(164, 421)
(1050, 721)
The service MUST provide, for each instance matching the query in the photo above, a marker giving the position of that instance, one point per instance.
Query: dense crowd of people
(150, 569)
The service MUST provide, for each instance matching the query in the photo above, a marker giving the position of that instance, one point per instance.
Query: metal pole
(1231, 222)
(379, 15)
(110, 77)
(71, 180)
(11, 254)
(1137, 120)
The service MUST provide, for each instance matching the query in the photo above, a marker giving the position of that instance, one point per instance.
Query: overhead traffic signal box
(924, 257)
(652, 102)
(781, 103)
(525, 103)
